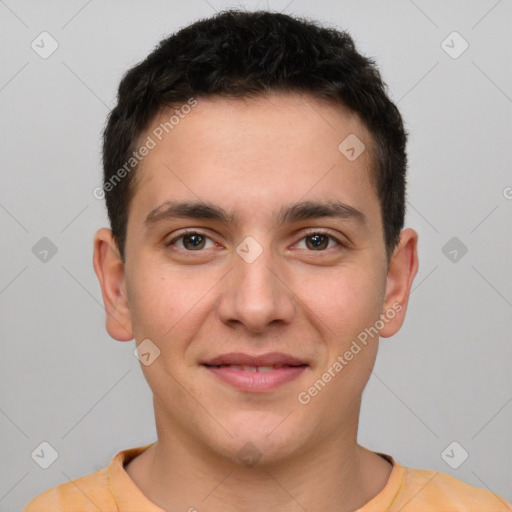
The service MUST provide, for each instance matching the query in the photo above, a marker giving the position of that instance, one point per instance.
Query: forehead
(252, 155)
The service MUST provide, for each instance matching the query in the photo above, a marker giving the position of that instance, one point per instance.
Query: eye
(319, 241)
(191, 241)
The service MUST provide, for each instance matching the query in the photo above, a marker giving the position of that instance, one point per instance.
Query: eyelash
(307, 234)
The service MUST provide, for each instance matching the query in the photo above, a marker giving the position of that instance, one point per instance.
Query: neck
(333, 475)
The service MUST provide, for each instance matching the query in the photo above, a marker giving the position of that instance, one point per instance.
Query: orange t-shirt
(407, 490)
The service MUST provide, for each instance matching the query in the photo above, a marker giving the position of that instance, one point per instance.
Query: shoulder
(88, 493)
(425, 490)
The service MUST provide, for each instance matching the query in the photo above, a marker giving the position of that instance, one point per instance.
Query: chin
(263, 439)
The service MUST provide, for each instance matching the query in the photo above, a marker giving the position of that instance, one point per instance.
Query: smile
(258, 373)
(246, 368)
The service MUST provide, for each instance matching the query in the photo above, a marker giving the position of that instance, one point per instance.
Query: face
(255, 258)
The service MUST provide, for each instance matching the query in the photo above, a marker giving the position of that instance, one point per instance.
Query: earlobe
(401, 272)
(109, 269)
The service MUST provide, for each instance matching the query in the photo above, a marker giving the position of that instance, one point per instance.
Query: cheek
(150, 307)
(347, 299)
(167, 306)
(157, 302)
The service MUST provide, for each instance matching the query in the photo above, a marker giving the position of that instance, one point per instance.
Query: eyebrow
(289, 214)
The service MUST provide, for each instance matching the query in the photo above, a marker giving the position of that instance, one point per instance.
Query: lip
(269, 359)
(288, 368)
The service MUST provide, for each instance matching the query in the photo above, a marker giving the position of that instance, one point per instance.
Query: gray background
(445, 377)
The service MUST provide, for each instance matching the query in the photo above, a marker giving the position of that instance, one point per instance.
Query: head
(254, 175)
(249, 54)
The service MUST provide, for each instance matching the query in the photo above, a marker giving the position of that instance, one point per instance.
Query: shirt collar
(126, 494)
(387, 496)
(129, 497)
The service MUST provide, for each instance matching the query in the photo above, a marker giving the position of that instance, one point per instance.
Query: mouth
(249, 368)
(255, 373)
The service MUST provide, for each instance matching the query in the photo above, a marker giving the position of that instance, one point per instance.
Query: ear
(109, 269)
(401, 272)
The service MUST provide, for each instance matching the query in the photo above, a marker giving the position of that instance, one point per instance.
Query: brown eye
(319, 241)
(194, 241)
(191, 242)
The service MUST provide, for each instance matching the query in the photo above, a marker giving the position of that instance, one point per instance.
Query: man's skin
(254, 157)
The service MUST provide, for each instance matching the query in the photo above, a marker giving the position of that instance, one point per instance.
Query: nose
(256, 294)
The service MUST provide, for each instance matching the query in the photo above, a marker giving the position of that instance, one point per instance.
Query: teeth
(251, 368)
(246, 368)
